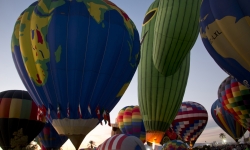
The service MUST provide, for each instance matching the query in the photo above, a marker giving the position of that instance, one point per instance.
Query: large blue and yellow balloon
(225, 32)
(76, 58)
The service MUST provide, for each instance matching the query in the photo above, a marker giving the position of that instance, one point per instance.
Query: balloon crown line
(42, 112)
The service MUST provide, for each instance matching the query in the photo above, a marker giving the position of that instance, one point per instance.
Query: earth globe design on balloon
(39, 72)
(224, 29)
(76, 58)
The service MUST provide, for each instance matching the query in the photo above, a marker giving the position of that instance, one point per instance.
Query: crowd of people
(226, 147)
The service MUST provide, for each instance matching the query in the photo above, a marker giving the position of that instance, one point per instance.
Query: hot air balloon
(225, 33)
(130, 121)
(235, 99)
(76, 58)
(175, 145)
(190, 121)
(122, 142)
(226, 121)
(175, 26)
(164, 66)
(50, 138)
(19, 124)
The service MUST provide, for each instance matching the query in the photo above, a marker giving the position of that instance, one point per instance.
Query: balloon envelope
(174, 145)
(225, 33)
(176, 29)
(50, 139)
(226, 121)
(122, 142)
(235, 99)
(190, 121)
(160, 96)
(130, 122)
(77, 59)
(18, 119)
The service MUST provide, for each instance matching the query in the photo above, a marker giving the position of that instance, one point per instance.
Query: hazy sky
(204, 78)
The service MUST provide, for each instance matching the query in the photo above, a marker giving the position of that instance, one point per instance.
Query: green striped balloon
(165, 50)
(176, 28)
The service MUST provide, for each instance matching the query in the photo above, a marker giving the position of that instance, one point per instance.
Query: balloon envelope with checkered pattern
(190, 121)
(235, 99)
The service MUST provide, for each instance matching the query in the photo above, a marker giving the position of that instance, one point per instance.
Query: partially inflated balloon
(235, 99)
(225, 32)
(130, 121)
(160, 96)
(175, 145)
(77, 59)
(122, 142)
(226, 121)
(190, 121)
(18, 119)
(50, 138)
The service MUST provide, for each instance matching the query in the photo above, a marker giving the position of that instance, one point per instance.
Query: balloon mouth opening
(154, 137)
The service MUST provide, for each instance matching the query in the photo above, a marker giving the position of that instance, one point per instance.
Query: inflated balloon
(175, 26)
(19, 124)
(190, 122)
(130, 121)
(175, 145)
(224, 30)
(235, 99)
(76, 58)
(50, 138)
(160, 96)
(226, 121)
(122, 142)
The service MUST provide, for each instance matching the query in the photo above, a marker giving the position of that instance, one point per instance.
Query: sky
(204, 78)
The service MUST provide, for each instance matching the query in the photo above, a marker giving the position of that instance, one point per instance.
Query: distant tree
(91, 144)
(222, 136)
